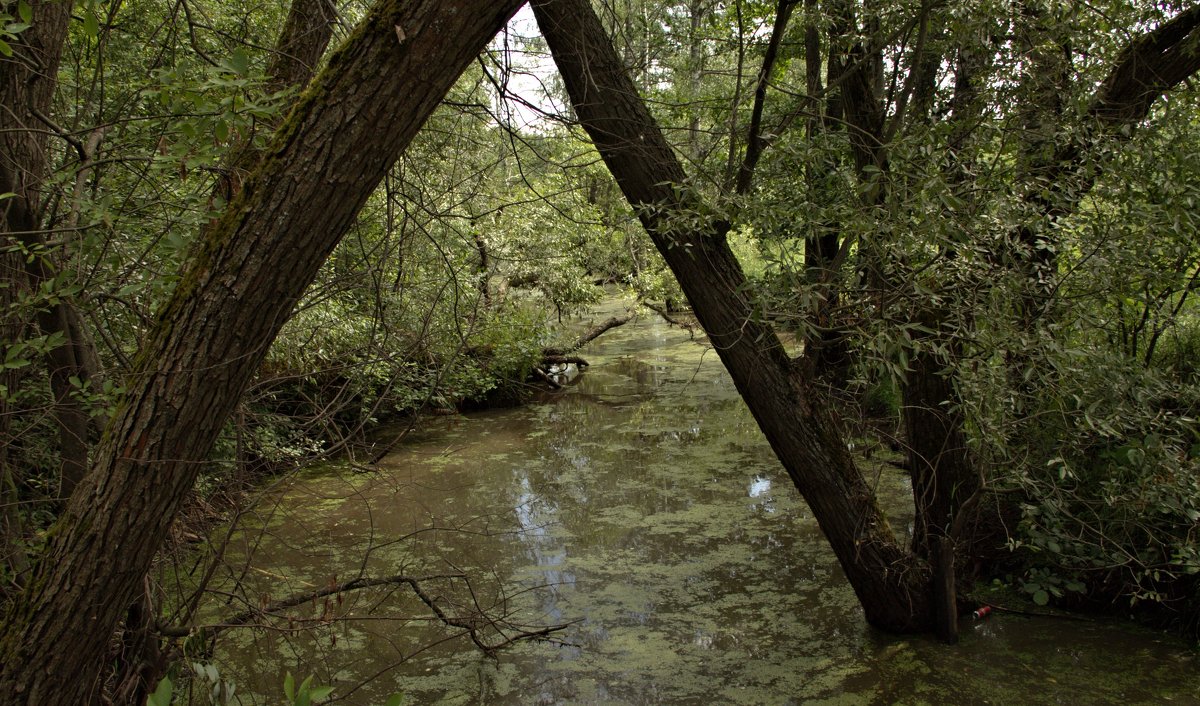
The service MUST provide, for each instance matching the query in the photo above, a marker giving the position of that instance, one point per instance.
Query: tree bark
(891, 586)
(299, 48)
(252, 267)
(301, 43)
(27, 85)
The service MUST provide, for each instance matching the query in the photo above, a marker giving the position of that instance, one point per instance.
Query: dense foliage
(937, 192)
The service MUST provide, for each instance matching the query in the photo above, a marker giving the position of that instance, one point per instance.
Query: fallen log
(689, 326)
(563, 360)
(546, 378)
(589, 336)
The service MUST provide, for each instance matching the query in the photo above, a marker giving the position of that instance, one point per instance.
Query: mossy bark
(253, 265)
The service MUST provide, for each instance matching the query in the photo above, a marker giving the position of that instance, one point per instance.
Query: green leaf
(237, 63)
(304, 695)
(5, 49)
(25, 10)
(321, 693)
(394, 700)
(17, 27)
(1041, 597)
(289, 688)
(162, 693)
(91, 24)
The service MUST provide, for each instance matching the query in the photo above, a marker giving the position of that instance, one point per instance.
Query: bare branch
(472, 623)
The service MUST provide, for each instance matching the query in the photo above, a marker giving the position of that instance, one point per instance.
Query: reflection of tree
(535, 513)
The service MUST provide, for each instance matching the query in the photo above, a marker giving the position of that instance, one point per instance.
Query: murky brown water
(642, 506)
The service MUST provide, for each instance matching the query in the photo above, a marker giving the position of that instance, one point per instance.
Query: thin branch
(754, 140)
(471, 624)
(914, 74)
(662, 311)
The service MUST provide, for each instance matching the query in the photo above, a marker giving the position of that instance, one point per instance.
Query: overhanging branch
(1151, 65)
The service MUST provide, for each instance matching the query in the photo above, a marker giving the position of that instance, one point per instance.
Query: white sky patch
(525, 73)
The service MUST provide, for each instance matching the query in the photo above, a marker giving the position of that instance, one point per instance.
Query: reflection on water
(642, 506)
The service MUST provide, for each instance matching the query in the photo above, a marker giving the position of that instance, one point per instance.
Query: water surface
(643, 507)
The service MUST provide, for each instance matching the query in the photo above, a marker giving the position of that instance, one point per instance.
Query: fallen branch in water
(590, 335)
(545, 377)
(689, 326)
(473, 622)
(561, 355)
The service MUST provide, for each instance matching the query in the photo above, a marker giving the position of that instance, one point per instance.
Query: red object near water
(982, 612)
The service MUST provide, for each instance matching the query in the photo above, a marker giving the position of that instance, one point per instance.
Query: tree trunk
(826, 345)
(252, 267)
(301, 43)
(141, 660)
(891, 586)
(943, 473)
(27, 86)
(298, 50)
(13, 561)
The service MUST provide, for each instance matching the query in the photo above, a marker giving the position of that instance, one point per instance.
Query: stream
(642, 507)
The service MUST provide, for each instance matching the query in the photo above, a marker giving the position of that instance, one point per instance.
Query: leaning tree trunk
(140, 661)
(252, 267)
(889, 583)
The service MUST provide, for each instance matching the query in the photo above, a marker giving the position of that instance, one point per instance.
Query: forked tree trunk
(891, 586)
(298, 50)
(252, 267)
